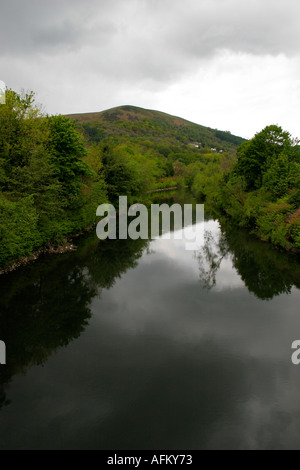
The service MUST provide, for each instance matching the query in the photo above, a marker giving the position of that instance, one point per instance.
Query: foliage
(259, 155)
(66, 147)
(281, 176)
(54, 172)
(47, 191)
(166, 135)
(127, 172)
(207, 180)
(18, 228)
(166, 183)
(261, 191)
(22, 134)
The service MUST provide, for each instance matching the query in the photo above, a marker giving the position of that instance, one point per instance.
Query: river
(144, 345)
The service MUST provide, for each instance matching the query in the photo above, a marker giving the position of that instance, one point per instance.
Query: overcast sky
(226, 64)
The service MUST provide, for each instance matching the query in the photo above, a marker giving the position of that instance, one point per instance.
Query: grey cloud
(35, 26)
(191, 27)
(140, 43)
(58, 35)
(199, 29)
(164, 40)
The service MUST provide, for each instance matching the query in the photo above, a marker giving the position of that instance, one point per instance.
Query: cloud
(114, 52)
(253, 27)
(149, 28)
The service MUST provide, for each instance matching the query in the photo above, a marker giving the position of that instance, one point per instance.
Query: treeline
(54, 174)
(51, 181)
(260, 190)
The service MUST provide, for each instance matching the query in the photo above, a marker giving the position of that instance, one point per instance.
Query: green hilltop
(167, 134)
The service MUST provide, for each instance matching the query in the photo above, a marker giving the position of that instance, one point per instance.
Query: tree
(67, 150)
(46, 191)
(256, 156)
(22, 132)
(281, 176)
(37, 179)
(127, 172)
(116, 173)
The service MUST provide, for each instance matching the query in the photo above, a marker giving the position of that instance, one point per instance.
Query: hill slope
(130, 122)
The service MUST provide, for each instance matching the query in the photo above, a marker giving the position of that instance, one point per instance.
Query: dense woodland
(260, 189)
(56, 170)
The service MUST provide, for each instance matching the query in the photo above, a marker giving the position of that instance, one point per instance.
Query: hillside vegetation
(166, 136)
(140, 150)
(56, 170)
(261, 190)
(131, 121)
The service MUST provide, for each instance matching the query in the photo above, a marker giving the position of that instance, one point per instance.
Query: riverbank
(24, 260)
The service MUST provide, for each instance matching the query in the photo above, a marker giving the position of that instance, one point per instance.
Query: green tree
(19, 234)
(281, 176)
(127, 172)
(38, 180)
(22, 132)
(47, 190)
(67, 150)
(256, 156)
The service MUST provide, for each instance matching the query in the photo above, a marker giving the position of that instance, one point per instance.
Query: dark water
(138, 345)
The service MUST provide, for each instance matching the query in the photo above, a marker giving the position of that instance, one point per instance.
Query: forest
(259, 190)
(56, 170)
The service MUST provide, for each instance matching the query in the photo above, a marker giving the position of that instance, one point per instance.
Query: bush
(19, 233)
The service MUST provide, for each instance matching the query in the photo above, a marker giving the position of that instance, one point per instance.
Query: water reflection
(46, 305)
(266, 271)
(160, 360)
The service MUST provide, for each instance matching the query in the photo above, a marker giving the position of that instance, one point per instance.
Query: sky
(225, 64)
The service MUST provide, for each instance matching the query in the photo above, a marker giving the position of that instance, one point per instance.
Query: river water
(144, 345)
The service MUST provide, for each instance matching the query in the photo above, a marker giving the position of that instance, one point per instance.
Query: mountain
(162, 130)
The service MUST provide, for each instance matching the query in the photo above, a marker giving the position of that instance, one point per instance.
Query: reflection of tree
(112, 258)
(46, 305)
(46, 310)
(210, 258)
(266, 272)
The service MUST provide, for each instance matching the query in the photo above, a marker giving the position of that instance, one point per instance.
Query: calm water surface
(143, 345)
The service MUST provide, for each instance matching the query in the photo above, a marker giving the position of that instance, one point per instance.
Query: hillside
(167, 133)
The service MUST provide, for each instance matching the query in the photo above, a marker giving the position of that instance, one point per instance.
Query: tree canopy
(257, 156)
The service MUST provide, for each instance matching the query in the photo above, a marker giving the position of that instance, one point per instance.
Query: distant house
(195, 145)
(213, 149)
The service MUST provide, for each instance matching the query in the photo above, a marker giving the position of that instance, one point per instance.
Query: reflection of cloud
(169, 280)
(228, 327)
(228, 278)
(171, 364)
(165, 363)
